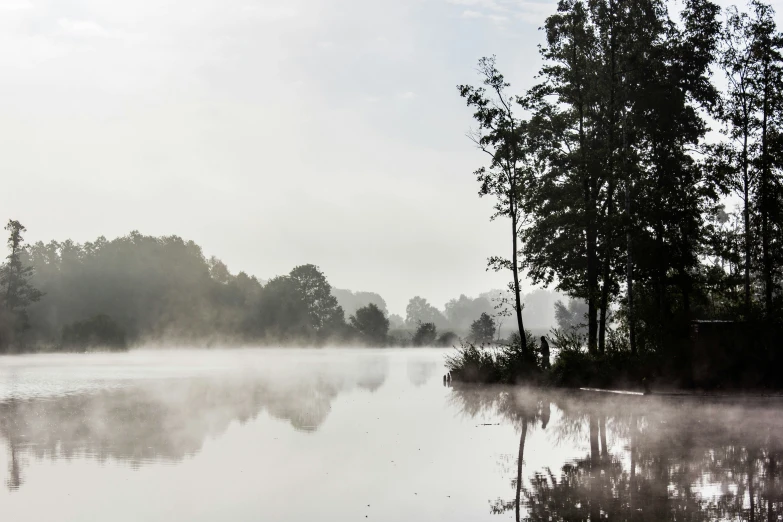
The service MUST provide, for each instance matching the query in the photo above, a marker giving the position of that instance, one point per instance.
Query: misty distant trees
(482, 330)
(100, 331)
(571, 316)
(371, 324)
(17, 291)
(153, 287)
(425, 335)
(138, 288)
(352, 301)
(325, 316)
(419, 310)
(461, 312)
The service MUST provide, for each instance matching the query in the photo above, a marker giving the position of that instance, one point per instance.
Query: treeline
(615, 192)
(144, 289)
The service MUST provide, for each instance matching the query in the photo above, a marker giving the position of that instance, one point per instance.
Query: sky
(271, 133)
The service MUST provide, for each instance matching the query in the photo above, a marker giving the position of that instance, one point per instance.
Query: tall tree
(326, 316)
(767, 86)
(503, 136)
(672, 193)
(740, 125)
(17, 291)
(750, 158)
(618, 105)
(425, 335)
(372, 324)
(482, 330)
(563, 241)
(283, 314)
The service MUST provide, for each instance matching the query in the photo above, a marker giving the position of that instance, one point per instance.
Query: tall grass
(508, 364)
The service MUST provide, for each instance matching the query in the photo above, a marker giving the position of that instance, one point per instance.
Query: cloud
(502, 11)
(15, 5)
(496, 18)
(82, 28)
(271, 13)
(487, 4)
(407, 95)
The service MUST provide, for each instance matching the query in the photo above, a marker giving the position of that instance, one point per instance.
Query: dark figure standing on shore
(544, 352)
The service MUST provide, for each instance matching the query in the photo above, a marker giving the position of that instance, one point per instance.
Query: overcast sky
(271, 133)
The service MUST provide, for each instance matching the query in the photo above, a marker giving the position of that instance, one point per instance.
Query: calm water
(358, 435)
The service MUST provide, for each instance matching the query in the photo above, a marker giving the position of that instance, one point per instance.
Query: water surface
(363, 434)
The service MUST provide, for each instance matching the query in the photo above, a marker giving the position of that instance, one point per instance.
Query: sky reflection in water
(349, 434)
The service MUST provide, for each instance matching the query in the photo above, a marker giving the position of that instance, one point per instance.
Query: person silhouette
(544, 352)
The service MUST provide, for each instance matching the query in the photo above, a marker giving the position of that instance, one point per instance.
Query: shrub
(506, 363)
(447, 339)
(613, 369)
(98, 331)
(425, 335)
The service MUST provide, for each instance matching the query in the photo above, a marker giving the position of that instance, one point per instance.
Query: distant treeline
(138, 288)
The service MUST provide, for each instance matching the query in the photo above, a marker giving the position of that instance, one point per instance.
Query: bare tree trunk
(746, 215)
(609, 225)
(628, 241)
(629, 273)
(591, 247)
(606, 274)
(515, 270)
(765, 234)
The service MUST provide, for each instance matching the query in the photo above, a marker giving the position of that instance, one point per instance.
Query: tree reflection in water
(169, 420)
(670, 459)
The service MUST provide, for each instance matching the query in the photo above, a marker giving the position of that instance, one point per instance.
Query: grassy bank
(570, 367)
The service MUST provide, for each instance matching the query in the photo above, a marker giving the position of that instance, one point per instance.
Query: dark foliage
(425, 335)
(623, 189)
(371, 324)
(97, 332)
(482, 330)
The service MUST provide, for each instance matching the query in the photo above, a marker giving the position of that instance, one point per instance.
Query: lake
(302, 435)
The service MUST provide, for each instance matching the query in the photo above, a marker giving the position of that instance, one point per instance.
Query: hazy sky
(271, 133)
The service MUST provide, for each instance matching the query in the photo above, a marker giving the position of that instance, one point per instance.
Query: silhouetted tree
(425, 335)
(326, 316)
(17, 291)
(447, 339)
(749, 161)
(283, 311)
(508, 178)
(372, 324)
(618, 108)
(482, 330)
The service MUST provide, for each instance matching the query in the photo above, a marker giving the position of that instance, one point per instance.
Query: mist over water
(340, 434)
